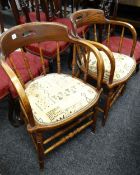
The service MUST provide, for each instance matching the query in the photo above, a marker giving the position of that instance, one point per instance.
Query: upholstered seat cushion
(65, 21)
(4, 88)
(35, 67)
(32, 16)
(57, 97)
(126, 46)
(123, 65)
(49, 48)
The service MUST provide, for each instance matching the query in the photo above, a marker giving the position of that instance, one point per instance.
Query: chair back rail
(28, 34)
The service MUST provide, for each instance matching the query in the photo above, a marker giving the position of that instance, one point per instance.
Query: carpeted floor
(112, 150)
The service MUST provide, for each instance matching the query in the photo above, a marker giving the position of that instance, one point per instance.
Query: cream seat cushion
(56, 97)
(123, 65)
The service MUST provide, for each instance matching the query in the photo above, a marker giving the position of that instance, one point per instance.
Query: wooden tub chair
(54, 101)
(118, 66)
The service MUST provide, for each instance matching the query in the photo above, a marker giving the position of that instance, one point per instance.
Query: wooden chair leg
(77, 74)
(70, 58)
(107, 106)
(137, 68)
(40, 149)
(14, 112)
(51, 65)
(95, 119)
(88, 35)
(122, 91)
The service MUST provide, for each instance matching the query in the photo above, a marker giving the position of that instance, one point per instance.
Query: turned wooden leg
(107, 106)
(14, 112)
(40, 149)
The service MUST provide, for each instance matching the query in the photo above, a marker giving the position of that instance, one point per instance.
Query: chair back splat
(119, 64)
(29, 34)
(52, 101)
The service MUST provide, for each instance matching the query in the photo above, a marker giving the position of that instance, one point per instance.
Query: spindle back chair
(53, 101)
(118, 67)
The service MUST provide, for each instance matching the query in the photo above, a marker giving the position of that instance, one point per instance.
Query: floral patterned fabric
(123, 65)
(56, 97)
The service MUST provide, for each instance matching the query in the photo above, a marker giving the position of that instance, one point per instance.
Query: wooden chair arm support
(110, 56)
(100, 63)
(130, 28)
(108, 53)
